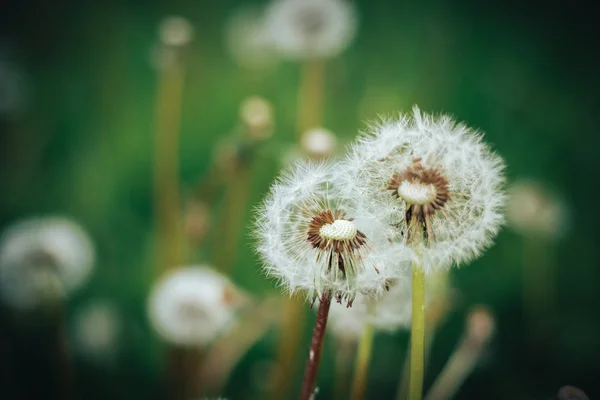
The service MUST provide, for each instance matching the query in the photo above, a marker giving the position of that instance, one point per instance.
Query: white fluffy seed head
(304, 29)
(535, 210)
(472, 215)
(175, 31)
(256, 114)
(340, 229)
(389, 314)
(43, 259)
(97, 327)
(416, 192)
(191, 306)
(318, 142)
(281, 231)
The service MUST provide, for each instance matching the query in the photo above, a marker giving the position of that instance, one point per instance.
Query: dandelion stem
(363, 357)
(417, 334)
(235, 199)
(455, 372)
(166, 164)
(310, 96)
(316, 346)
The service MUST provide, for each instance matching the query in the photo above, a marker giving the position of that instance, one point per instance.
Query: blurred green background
(82, 146)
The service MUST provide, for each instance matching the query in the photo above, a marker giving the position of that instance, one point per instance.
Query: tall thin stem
(166, 164)
(363, 357)
(458, 368)
(310, 96)
(316, 347)
(417, 334)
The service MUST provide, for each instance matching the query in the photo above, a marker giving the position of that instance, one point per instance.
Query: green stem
(417, 335)
(363, 357)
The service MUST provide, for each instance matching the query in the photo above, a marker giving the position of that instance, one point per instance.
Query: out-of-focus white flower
(389, 314)
(312, 240)
(42, 259)
(97, 327)
(534, 210)
(256, 114)
(434, 180)
(304, 29)
(175, 31)
(318, 142)
(191, 306)
(248, 40)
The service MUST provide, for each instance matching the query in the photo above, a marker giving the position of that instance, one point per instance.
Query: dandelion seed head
(256, 114)
(535, 210)
(311, 241)
(175, 31)
(43, 259)
(97, 327)
(304, 29)
(434, 174)
(388, 314)
(191, 306)
(318, 142)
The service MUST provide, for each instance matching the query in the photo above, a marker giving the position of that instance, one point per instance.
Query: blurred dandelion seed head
(535, 210)
(318, 142)
(388, 314)
(311, 240)
(303, 29)
(43, 259)
(97, 327)
(256, 114)
(191, 306)
(175, 31)
(433, 173)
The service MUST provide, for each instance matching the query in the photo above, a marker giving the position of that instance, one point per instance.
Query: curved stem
(455, 372)
(417, 334)
(316, 346)
(362, 363)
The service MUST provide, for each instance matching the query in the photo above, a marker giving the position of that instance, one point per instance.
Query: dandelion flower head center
(416, 192)
(340, 229)
(423, 188)
(337, 240)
